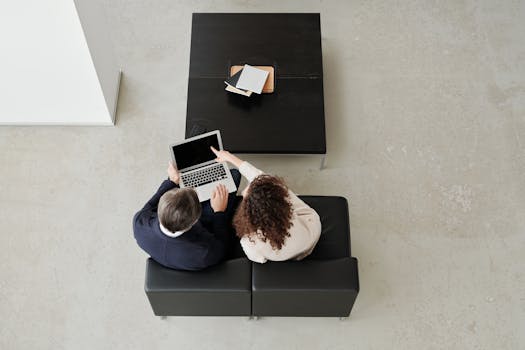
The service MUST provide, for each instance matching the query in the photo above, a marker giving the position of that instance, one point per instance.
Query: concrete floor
(425, 113)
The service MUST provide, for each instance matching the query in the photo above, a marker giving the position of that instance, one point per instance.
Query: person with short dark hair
(271, 221)
(179, 232)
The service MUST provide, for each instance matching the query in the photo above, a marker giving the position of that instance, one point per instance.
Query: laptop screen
(195, 152)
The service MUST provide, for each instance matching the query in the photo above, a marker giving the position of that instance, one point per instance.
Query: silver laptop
(197, 166)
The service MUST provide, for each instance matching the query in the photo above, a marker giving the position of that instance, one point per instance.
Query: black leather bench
(326, 283)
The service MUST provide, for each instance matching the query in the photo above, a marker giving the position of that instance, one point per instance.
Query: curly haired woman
(271, 221)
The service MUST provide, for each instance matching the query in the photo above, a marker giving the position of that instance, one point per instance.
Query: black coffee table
(291, 119)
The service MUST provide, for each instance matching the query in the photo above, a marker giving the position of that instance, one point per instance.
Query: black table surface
(289, 120)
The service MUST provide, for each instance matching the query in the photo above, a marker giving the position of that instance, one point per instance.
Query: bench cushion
(305, 288)
(335, 235)
(222, 290)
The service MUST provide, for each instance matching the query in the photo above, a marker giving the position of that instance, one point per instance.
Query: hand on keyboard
(219, 198)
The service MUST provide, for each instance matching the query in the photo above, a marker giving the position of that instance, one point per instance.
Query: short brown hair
(265, 211)
(179, 208)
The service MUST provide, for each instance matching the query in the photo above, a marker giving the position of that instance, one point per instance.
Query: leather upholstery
(221, 290)
(326, 283)
(305, 288)
(335, 234)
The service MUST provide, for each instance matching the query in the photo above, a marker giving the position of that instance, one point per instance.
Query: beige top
(304, 232)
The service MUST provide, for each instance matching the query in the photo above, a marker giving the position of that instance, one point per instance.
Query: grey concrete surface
(425, 110)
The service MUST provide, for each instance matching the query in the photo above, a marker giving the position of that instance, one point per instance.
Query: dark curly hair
(265, 211)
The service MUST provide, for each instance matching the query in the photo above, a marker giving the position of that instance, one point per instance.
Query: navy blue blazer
(200, 247)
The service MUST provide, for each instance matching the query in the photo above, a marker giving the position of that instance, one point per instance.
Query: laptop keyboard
(204, 176)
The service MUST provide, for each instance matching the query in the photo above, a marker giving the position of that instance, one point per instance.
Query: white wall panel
(47, 74)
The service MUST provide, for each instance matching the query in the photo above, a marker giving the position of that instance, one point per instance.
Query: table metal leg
(323, 162)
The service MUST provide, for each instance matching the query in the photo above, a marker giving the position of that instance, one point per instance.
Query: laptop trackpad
(204, 192)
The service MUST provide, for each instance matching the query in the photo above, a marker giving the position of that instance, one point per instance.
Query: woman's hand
(225, 156)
